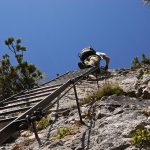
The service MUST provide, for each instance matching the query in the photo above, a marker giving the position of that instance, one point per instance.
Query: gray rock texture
(108, 123)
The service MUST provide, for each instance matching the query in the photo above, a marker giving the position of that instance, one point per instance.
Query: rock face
(120, 115)
(109, 127)
(109, 123)
(128, 80)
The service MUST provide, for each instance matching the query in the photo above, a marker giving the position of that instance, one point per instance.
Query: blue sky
(54, 31)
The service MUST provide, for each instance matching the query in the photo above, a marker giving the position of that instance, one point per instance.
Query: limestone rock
(108, 123)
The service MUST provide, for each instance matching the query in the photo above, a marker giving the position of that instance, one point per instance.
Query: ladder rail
(13, 126)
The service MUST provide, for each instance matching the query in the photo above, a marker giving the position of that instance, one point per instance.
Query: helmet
(86, 52)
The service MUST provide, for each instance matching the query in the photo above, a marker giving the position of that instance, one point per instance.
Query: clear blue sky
(54, 31)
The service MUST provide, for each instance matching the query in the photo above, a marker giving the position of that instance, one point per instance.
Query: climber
(89, 57)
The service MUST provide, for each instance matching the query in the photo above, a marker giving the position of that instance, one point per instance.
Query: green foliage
(145, 60)
(61, 133)
(141, 138)
(136, 63)
(147, 71)
(142, 72)
(146, 2)
(140, 75)
(43, 123)
(106, 90)
(110, 89)
(22, 75)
